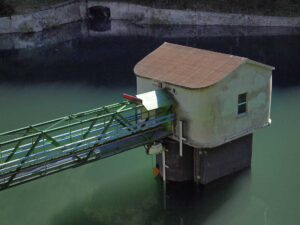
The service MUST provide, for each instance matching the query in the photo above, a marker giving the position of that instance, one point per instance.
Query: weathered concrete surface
(179, 168)
(223, 160)
(73, 10)
(56, 15)
(207, 164)
(147, 15)
(210, 115)
(125, 28)
(45, 38)
(117, 28)
(5, 25)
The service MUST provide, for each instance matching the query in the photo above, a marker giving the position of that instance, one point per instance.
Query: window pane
(242, 108)
(242, 98)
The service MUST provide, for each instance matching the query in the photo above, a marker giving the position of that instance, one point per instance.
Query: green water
(121, 189)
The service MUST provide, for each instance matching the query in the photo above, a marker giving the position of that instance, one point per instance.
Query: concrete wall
(209, 115)
(194, 107)
(212, 164)
(71, 11)
(256, 81)
(39, 39)
(147, 15)
(67, 12)
(179, 168)
(205, 165)
(118, 28)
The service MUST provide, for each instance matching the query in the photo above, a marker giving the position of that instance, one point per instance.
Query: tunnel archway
(99, 12)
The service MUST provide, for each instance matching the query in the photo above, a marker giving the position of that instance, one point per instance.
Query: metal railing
(34, 151)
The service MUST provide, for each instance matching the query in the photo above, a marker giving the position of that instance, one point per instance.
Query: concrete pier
(226, 159)
(177, 168)
(207, 164)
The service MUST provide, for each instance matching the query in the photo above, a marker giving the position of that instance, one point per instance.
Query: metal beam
(31, 152)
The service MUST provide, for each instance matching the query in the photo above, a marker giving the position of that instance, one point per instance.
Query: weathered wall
(118, 28)
(212, 164)
(257, 82)
(71, 11)
(35, 40)
(209, 115)
(205, 165)
(67, 12)
(194, 108)
(147, 15)
(179, 168)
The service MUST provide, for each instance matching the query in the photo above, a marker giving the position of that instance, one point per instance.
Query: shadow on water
(105, 53)
(185, 203)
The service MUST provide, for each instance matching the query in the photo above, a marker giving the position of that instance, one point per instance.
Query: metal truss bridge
(39, 150)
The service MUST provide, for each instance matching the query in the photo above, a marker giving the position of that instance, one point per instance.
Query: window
(242, 104)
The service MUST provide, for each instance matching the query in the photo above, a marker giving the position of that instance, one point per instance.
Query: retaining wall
(75, 10)
(59, 14)
(147, 15)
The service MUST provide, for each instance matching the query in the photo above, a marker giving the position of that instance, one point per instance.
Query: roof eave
(260, 64)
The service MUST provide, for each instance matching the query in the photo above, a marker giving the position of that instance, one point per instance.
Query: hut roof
(188, 67)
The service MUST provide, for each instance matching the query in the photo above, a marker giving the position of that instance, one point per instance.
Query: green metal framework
(45, 148)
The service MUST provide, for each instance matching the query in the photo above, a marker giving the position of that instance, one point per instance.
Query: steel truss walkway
(46, 148)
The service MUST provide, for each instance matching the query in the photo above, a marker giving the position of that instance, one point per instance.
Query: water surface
(42, 83)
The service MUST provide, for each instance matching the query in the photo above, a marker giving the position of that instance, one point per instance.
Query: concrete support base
(223, 160)
(206, 165)
(178, 168)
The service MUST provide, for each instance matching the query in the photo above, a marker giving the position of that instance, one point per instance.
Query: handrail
(76, 138)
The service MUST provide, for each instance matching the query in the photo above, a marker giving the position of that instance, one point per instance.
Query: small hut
(220, 100)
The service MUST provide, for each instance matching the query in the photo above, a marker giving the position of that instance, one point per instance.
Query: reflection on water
(135, 205)
(108, 57)
(51, 81)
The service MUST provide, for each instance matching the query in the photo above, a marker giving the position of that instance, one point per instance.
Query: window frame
(242, 103)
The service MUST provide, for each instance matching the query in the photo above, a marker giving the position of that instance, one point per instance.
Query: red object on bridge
(132, 98)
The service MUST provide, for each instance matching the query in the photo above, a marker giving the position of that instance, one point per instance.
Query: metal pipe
(180, 138)
(164, 165)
